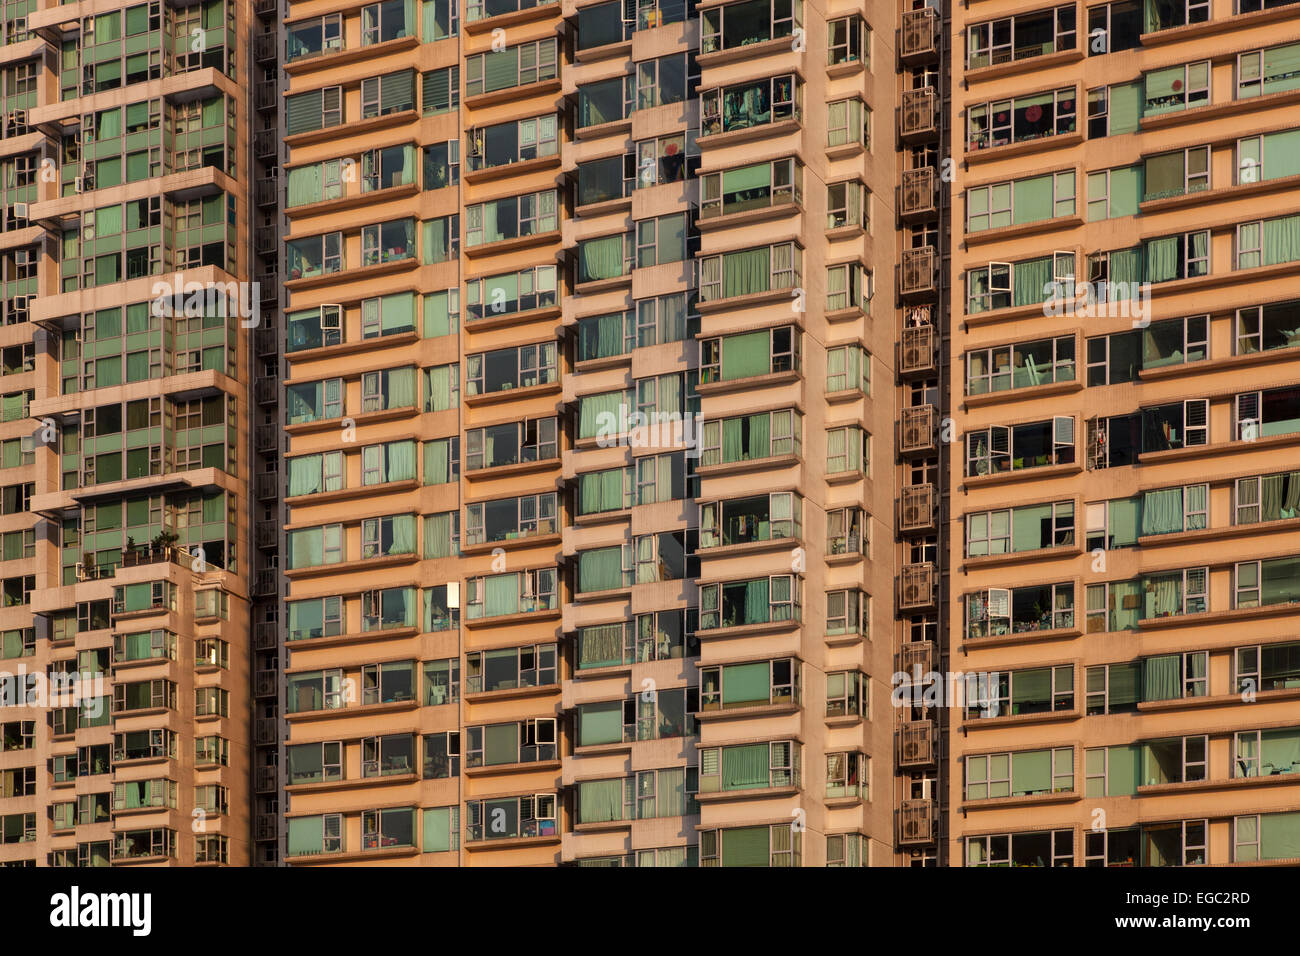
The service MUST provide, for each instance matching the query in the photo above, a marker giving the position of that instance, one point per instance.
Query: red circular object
(671, 149)
(1178, 85)
(1034, 114)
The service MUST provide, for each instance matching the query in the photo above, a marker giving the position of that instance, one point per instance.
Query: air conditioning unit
(79, 184)
(19, 211)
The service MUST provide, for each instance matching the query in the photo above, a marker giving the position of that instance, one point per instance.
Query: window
(1267, 242)
(528, 741)
(440, 90)
(510, 668)
(1176, 88)
(751, 187)
(746, 520)
(1002, 448)
(1271, 70)
(1020, 201)
(848, 286)
(847, 205)
(756, 601)
(1266, 498)
(848, 123)
(511, 818)
(848, 41)
(727, 109)
(1040, 690)
(1019, 774)
(1002, 285)
(1021, 365)
(1115, 26)
(669, 79)
(511, 218)
(514, 142)
(1177, 173)
(1265, 583)
(1020, 37)
(750, 271)
(754, 21)
(1028, 528)
(749, 354)
(998, 611)
(1021, 119)
(1040, 848)
(1267, 413)
(773, 845)
(314, 110)
(514, 66)
(512, 292)
(314, 37)
(750, 437)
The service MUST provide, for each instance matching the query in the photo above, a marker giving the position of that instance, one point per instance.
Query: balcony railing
(920, 35)
(918, 272)
(919, 115)
(264, 780)
(917, 349)
(919, 193)
(918, 822)
(917, 743)
(917, 587)
(265, 683)
(917, 432)
(916, 658)
(264, 731)
(917, 508)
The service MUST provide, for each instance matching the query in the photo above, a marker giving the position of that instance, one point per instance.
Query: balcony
(265, 144)
(918, 743)
(918, 118)
(916, 352)
(916, 658)
(265, 240)
(918, 822)
(265, 683)
(918, 587)
(266, 535)
(917, 508)
(266, 438)
(264, 636)
(265, 730)
(264, 828)
(267, 486)
(264, 96)
(919, 40)
(264, 779)
(918, 197)
(917, 431)
(265, 583)
(268, 191)
(264, 46)
(268, 287)
(266, 391)
(919, 272)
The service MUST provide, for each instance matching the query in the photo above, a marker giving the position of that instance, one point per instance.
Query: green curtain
(1162, 511)
(304, 475)
(1126, 183)
(745, 846)
(438, 317)
(591, 408)
(1031, 772)
(745, 272)
(436, 461)
(601, 336)
(437, 829)
(403, 535)
(1281, 750)
(757, 607)
(1032, 199)
(1125, 273)
(1281, 240)
(600, 569)
(732, 439)
(1162, 261)
(600, 646)
(437, 535)
(400, 460)
(306, 835)
(760, 435)
(601, 491)
(1029, 526)
(1030, 687)
(1125, 107)
(400, 389)
(305, 185)
(438, 393)
(600, 258)
(600, 801)
(500, 744)
(1123, 770)
(306, 548)
(747, 683)
(1030, 279)
(1279, 836)
(746, 355)
(745, 767)
(502, 594)
(1161, 677)
(1281, 68)
(600, 723)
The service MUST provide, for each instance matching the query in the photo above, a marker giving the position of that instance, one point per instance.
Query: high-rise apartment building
(124, 435)
(1123, 557)
(546, 433)
(591, 467)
